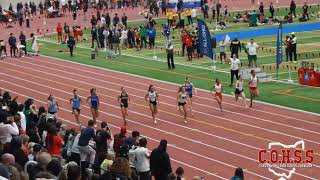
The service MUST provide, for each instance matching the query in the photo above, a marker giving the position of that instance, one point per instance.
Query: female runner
(239, 91)
(53, 105)
(75, 101)
(153, 99)
(189, 89)
(124, 100)
(182, 101)
(218, 89)
(253, 84)
(94, 104)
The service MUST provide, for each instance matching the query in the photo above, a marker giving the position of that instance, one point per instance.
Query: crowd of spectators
(36, 145)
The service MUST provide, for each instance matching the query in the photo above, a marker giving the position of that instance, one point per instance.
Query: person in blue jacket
(152, 36)
(166, 31)
(13, 44)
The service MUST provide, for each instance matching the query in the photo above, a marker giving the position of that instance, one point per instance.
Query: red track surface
(213, 144)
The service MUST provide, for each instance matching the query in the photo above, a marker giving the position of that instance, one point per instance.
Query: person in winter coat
(160, 165)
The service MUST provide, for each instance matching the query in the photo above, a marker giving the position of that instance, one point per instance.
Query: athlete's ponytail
(150, 87)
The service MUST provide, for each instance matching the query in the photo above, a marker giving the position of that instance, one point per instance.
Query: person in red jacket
(54, 143)
(188, 42)
(59, 33)
(184, 35)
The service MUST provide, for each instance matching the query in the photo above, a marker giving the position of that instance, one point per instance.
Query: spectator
(293, 47)
(108, 20)
(13, 44)
(142, 160)
(8, 129)
(124, 20)
(234, 69)
(25, 144)
(115, 20)
(73, 172)
(189, 44)
(59, 33)
(261, 8)
(4, 171)
(238, 174)
(34, 45)
(23, 42)
(218, 10)
(143, 34)
(54, 167)
(87, 151)
(119, 140)
(8, 159)
(54, 143)
(3, 49)
(73, 152)
(116, 42)
(28, 19)
(235, 46)
(252, 53)
(124, 37)
(160, 162)
(94, 37)
(221, 25)
(71, 43)
(152, 36)
(93, 21)
(133, 140)
(293, 8)
(66, 29)
(223, 46)
(102, 137)
(15, 148)
(32, 132)
(23, 117)
(35, 152)
(180, 173)
(120, 169)
(170, 59)
(271, 10)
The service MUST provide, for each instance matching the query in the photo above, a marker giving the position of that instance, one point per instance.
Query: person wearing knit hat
(7, 159)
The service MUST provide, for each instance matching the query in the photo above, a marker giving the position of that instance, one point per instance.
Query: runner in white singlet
(153, 99)
(218, 89)
(254, 81)
(182, 100)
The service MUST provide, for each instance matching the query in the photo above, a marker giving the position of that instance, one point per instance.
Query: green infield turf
(143, 63)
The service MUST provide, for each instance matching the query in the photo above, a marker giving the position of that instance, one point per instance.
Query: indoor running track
(213, 144)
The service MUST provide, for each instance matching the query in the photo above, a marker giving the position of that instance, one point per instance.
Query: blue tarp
(253, 33)
(190, 5)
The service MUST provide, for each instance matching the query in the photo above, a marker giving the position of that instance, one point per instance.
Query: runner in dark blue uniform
(76, 105)
(93, 101)
(124, 100)
(189, 89)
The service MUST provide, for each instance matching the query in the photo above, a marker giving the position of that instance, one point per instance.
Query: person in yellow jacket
(170, 17)
(189, 13)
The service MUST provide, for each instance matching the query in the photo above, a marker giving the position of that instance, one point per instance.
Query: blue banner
(205, 39)
(279, 45)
